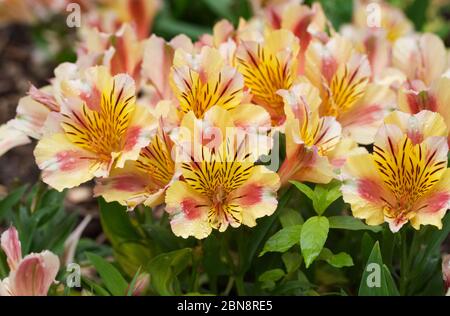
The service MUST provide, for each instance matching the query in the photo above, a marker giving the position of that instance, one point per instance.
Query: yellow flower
(99, 127)
(309, 137)
(415, 96)
(304, 21)
(343, 78)
(220, 184)
(406, 177)
(268, 67)
(200, 81)
(144, 180)
(392, 20)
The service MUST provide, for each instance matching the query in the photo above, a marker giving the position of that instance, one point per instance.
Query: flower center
(345, 91)
(264, 75)
(408, 171)
(200, 95)
(102, 132)
(216, 177)
(156, 161)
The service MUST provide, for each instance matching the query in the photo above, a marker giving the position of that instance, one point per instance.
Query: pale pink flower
(29, 276)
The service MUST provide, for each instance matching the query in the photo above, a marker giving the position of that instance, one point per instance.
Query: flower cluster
(106, 15)
(187, 124)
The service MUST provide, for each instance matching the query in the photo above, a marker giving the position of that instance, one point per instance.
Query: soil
(19, 68)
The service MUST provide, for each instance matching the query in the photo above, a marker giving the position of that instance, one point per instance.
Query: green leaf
(249, 247)
(295, 287)
(426, 255)
(116, 223)
(324, 195)
(4, 269)
(367, 243)
(312, 238)
(390, 283)
(213, 256)
(304, 189)
(130, 247)
(351, 223)
(221, 8)
(271, 275)
(132, 255)
(94, 287)
(12, 199)
(170, 27)
(376, 279)
(110, 276)
(417, 13)
(339, 260)
(290, 217)
(283, 240)
(292, 261)
(165, 268)
(338, 12)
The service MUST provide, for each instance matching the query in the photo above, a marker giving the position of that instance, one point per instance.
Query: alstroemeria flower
(120, 51)
(221, 185)
(304, 21)
(375, 27)
(29, 276)
(157, 62)
(375, 45)
(380, 15)
(200, 81)
(202, 78)
(144, 180)
(114, 13)
(32, 112)
(415, 96)
(268, 67)
(99, 127)
(309, 137)
(156, 66)
(421, 57)
(345, 148)
(10, 137)
(406, 177)
(343, 77)
(223, 38)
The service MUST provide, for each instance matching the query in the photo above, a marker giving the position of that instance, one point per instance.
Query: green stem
(404, 263)
(213, 284)
(195, 267)
(243, 266)
(264, 228)
(232, 265)
(194, 279)
(240, 285)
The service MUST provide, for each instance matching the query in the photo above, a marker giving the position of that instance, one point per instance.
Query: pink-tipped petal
(189, 211)
(11, 246)
(11, 137)
(35, 274)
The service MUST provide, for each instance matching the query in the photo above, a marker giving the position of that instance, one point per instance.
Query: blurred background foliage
(197, 17)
